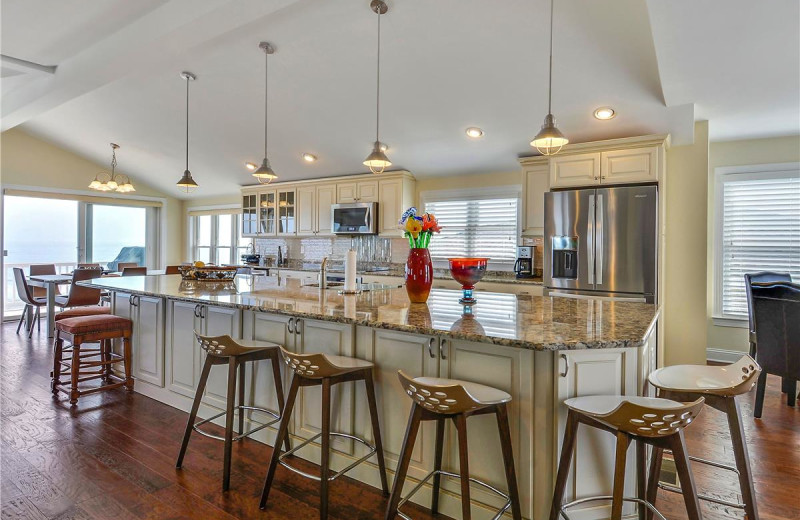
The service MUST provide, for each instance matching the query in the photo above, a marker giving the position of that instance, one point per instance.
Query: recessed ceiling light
(604, 113)
(250, 166)
(309, 157)
(474, 132)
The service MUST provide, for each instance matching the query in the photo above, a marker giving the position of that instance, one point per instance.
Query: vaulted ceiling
(447, 65)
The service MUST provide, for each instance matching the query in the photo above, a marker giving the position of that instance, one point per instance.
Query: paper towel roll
(350, 271)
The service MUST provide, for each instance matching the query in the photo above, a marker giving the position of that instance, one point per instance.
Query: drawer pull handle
(289, 325)
(566, 366)
(441, 348)
(430, 347)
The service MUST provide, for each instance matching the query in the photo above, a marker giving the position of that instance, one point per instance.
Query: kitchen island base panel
(538, 380)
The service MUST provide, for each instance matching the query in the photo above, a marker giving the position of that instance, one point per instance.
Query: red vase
(419, 274)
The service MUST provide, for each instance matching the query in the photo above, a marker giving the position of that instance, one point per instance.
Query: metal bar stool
(437, 399)
(326, 371)
(224, 350)
(82, 363)
(647, 420)
(719, 385)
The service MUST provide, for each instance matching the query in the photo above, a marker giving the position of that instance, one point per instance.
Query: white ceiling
(447, 65)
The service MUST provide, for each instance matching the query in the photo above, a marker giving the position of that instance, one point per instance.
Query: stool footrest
(240, 409)
(422, 482)
(639, 501)
(701, 496)
(336, 475)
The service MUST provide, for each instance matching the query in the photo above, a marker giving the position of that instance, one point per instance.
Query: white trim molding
(721, 355)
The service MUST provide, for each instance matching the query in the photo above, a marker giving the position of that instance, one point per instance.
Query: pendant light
(377, 160)
(264, 173)
(550, 140)
(186, 183)
(112, 182)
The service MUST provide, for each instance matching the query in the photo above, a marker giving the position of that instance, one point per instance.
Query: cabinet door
(346, 192)
(393, 351)
(625, 166)
(536, 183)
(182, 348)
(267, 213)
(313, 336)
(508, 369)
(390, 206)
(306, 210)
(367, 191)
(607, 372)
(217, 321)
(148, 351)
(575, 170)
(249, 215)
(275, 329)
(326, 197)
(286, 212)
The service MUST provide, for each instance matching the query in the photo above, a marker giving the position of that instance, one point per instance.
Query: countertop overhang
(522, 321)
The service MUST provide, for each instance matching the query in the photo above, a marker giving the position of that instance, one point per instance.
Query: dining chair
(88, 266)
(759, 277)
(39, 269)
(134, 271)
(173, 269)
(122, 265)
(776, 318)
(79, 296)
(30, 301)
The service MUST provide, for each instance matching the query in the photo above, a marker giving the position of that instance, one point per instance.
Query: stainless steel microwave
(358, 218)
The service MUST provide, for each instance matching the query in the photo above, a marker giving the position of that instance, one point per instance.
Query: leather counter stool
(437, 399)
(325, 371)
(647, 420)
(86, 364)
(224, 350)
(719, 385)
(88, 310)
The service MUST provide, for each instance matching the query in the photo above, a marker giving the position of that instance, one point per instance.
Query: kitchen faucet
(323, 274)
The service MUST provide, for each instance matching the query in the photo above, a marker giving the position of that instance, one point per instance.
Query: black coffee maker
(524, 264)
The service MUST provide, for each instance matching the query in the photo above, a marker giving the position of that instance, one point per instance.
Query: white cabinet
(326, 197)
(594, 372)
(574, 170)
(249, 214)
(147, 340)
(287, 224)
(306, 210)
(626, 166)
(395, 196)
(267, 213)
(362, 191)
(218, 321)
(535, 184)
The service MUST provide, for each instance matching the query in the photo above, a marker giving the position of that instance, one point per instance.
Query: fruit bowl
(213, 273)
(467, 272)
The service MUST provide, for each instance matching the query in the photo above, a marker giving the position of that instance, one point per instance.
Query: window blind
(475, 227)
(760, 232)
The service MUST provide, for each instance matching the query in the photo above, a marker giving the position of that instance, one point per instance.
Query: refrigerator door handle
(599, 239)
(590, 241)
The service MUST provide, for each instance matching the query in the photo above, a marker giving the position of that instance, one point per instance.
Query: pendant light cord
(550, 86)
(187, 123)
(266, 100)
(378, 83)
(113, 162)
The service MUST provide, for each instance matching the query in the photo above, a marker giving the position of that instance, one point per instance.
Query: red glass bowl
(467, 272)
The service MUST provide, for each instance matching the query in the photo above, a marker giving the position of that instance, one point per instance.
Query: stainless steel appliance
(524, 264)
(602, 243)
(358, 218)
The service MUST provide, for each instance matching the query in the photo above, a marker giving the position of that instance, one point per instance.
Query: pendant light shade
(550, 139)
(377, 161)
(187, 183)
(264, 173)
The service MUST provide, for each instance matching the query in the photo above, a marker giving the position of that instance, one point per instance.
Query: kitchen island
(541, 350)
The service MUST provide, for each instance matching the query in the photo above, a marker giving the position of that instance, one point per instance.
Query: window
(475, 223)
(757, 214)
(216, 238)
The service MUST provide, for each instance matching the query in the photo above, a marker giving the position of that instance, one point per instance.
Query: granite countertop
(524, 321)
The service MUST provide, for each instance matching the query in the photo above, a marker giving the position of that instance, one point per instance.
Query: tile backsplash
(370, 248)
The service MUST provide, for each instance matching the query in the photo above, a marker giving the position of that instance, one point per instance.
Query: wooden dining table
(50, 282)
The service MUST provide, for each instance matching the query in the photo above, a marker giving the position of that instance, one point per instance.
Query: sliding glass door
(117, 234)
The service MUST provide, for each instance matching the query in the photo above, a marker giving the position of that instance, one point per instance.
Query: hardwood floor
(114, 457)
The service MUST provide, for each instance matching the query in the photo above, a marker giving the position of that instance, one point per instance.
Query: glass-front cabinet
(267, 213)
(249, 215)
(286, 212)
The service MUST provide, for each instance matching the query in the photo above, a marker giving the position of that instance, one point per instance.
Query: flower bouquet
(419, 269)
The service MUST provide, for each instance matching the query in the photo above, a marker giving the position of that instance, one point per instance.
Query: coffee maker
(524, 264)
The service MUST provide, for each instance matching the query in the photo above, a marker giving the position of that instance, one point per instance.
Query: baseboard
(722, 355)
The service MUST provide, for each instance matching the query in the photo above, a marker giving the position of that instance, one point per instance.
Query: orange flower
(429, 223)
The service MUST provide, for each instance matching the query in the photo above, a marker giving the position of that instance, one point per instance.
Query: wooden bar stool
(326, 371)
(224, 350)
(719, 385)
(83, 363)
(647, 420)
(437, 399)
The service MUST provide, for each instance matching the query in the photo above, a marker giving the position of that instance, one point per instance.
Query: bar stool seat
(646, 420)
(719, 385)
(83, 363)
(224, 350)
(87, 310)
(326, 371)
(438, 399)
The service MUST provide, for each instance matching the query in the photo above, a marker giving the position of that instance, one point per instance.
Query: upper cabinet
(304, 208)
(574, 170)
(635, 165)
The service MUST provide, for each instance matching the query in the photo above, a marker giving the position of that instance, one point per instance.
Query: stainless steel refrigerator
(602, 242)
